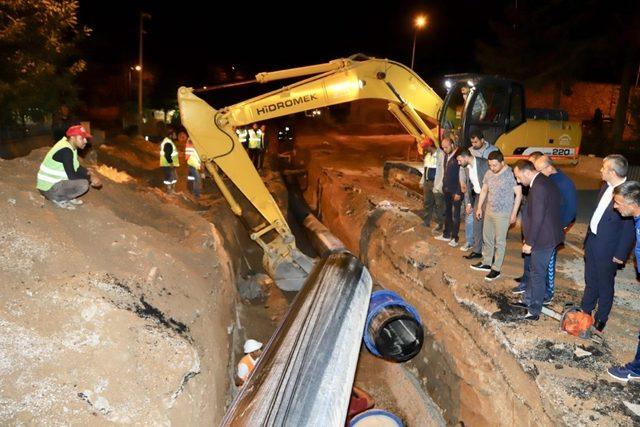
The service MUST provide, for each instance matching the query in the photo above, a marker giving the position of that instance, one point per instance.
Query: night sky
(186, 40)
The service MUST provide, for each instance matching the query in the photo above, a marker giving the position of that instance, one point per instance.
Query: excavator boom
(410, 99)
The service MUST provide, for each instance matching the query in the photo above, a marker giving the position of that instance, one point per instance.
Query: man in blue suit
(542, 231)
(607, 244)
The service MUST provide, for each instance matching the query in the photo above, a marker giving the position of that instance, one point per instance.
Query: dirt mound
(114, 174)
(117, 311)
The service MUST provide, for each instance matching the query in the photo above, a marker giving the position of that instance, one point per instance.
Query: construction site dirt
(486, 368)
(132, 308)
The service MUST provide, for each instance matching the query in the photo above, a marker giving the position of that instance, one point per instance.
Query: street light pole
(413, 53)
(419, 22)
(140, 63)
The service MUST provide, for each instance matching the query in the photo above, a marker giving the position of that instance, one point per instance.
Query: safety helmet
(251, 346)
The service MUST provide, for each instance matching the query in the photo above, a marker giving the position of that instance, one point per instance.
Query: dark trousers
(599, 278)
(635, 365)
(535, 290)
(63, 191)
(193, 181)
(170, 175)
(433, 205)
(451, 216)
(254, 155)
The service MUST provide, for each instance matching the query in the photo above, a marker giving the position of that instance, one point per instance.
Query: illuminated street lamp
(419, 23)
(137, 68)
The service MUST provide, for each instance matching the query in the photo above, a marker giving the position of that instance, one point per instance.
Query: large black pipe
(323, 241)
(306, 372)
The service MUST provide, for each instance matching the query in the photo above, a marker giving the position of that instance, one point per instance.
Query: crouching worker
(61, 179)
(252, 350)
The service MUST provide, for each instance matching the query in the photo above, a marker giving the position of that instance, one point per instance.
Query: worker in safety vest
(252, 350)
(169, 161)
(193, 160)
(61, 179)
(255, 145)
(243, 136)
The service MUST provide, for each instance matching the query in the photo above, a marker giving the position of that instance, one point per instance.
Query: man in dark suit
(452, 193)
(542, 232)
(474, 169)
(607, 244)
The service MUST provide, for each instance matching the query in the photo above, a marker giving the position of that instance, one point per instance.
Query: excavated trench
(464, 365)
(463, 374)
(261, 306)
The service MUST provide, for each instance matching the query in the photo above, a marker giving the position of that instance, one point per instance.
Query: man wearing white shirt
(607, 245)
(473, 170)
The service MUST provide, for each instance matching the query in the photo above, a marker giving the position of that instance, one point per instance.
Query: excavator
(338, 81)
(491, 104)
(306, 372)
(496, 107)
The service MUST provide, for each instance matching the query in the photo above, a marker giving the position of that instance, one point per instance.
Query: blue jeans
(635, 364)
(468, 228)
(536, 286)
(551, 275)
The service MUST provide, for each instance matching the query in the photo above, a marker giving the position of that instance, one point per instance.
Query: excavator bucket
(219, 147)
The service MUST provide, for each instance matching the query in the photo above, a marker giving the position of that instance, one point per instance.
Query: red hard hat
(78, 130)
(427, 142)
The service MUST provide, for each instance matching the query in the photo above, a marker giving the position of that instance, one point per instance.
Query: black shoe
(600, 325)
(519, 304)
(493, 275)
(480, 267)
(517, 290)
(547, 302)
(473, 255)
(518, 279)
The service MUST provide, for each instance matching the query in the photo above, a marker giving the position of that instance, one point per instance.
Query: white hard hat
(252, 345)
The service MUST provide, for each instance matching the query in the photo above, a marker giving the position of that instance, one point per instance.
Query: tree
(543, 42)
(559, 41)
(626, 24)
(38, 57)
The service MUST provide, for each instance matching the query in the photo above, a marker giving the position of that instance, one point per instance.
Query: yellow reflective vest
(174, 154)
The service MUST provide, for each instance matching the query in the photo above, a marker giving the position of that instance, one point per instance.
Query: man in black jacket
(452, 193)
(542, 232)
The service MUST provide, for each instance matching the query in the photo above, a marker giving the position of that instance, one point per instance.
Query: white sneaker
(453, 243)
(466, 247)
(64, 205)
(442, 238)
(76, 202)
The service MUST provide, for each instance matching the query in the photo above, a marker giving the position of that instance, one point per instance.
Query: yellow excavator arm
(410, 99)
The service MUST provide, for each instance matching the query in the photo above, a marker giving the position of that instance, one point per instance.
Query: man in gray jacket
(474, 169)
(431, 183)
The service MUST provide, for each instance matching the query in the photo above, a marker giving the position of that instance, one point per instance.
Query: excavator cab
(496, 106)
(490, 104)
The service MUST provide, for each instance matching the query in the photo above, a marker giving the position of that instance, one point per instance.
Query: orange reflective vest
(190, 153)
(249, 364)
